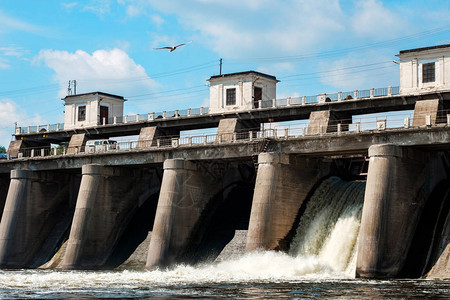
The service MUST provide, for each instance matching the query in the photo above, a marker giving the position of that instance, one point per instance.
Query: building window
(231, 96)
(104, 114)
(82, 113)
(428, 72)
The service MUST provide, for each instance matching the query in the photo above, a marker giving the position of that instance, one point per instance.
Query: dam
(369, 197)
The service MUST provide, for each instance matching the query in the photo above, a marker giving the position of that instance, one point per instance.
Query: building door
(257, 95)
(103, 114)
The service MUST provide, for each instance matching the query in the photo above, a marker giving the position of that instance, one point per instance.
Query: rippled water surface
(188, 282)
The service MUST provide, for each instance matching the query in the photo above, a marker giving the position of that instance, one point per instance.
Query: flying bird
(172, 48)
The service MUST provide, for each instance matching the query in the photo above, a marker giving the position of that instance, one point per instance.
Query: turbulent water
(329, 227)
(320, 264)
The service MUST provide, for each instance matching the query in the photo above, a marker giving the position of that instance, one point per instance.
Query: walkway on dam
(331, 141)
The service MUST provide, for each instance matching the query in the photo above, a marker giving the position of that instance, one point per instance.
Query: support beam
(15, 147)
(185, 191)
(35, 204)
(432, 108)
(325, 121)
(107, 199)
(20, 146)
(234, 128)
(77, 143)
(282, 184)
(148, 136)
(393, 203)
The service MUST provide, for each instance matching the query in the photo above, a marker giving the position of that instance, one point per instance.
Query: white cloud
(157, 20)
(373, 19)
(110, 71)
(10, 51)
(4, 64)
(359, 72)
(161, 40)
(10, 112)
(69, 6)
(133, 11)
(136, 8)
(124, 45)
(98, 7)
(8, 23)
(13, 51)
(248, 29)
(245, 28)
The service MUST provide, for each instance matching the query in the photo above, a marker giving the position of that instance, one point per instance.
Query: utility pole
(220, 67)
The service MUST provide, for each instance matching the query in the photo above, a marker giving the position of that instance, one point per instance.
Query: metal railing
(340, 96)
(338, 127)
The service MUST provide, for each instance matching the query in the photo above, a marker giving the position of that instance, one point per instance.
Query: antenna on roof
(220, 73)
(69, 88)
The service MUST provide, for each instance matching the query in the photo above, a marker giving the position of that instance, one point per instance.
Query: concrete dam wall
(100, 217)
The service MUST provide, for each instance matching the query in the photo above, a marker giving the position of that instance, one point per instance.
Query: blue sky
(311, 46)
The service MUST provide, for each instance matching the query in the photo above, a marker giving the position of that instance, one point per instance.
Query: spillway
(329, 227)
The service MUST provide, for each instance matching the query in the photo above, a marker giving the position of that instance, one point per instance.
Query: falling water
(329, 227)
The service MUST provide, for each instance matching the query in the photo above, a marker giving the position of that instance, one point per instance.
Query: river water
(226, 280)
(320, 264)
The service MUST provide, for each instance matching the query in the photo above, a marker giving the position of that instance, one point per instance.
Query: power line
(316, 74)
(166, 91)
(380, 44)
(377, 75)
(31, 90)
(340, 69)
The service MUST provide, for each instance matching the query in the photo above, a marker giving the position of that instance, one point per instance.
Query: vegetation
(2, 149)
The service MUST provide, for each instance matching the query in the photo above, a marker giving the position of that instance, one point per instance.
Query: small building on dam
(366, 196)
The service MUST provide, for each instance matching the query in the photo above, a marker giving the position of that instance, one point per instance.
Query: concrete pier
(185, 191)
(282, 184)
(393, 203)
(107, 199)
(35, 203)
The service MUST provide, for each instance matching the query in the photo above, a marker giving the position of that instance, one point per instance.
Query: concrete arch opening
(131, 249)
(4, 186)
(196, 198)
(227, 214)
(429, 239)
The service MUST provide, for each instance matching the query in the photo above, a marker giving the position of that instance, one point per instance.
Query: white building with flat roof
(91, 109)
(241, 91)
(424, 69)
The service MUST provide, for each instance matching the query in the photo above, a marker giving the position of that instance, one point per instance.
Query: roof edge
(424, 49)
(251, 72)
(96, 93)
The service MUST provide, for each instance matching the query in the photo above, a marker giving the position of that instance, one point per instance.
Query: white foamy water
(260, 266)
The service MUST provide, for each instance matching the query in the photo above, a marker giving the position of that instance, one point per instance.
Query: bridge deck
(435, 137)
